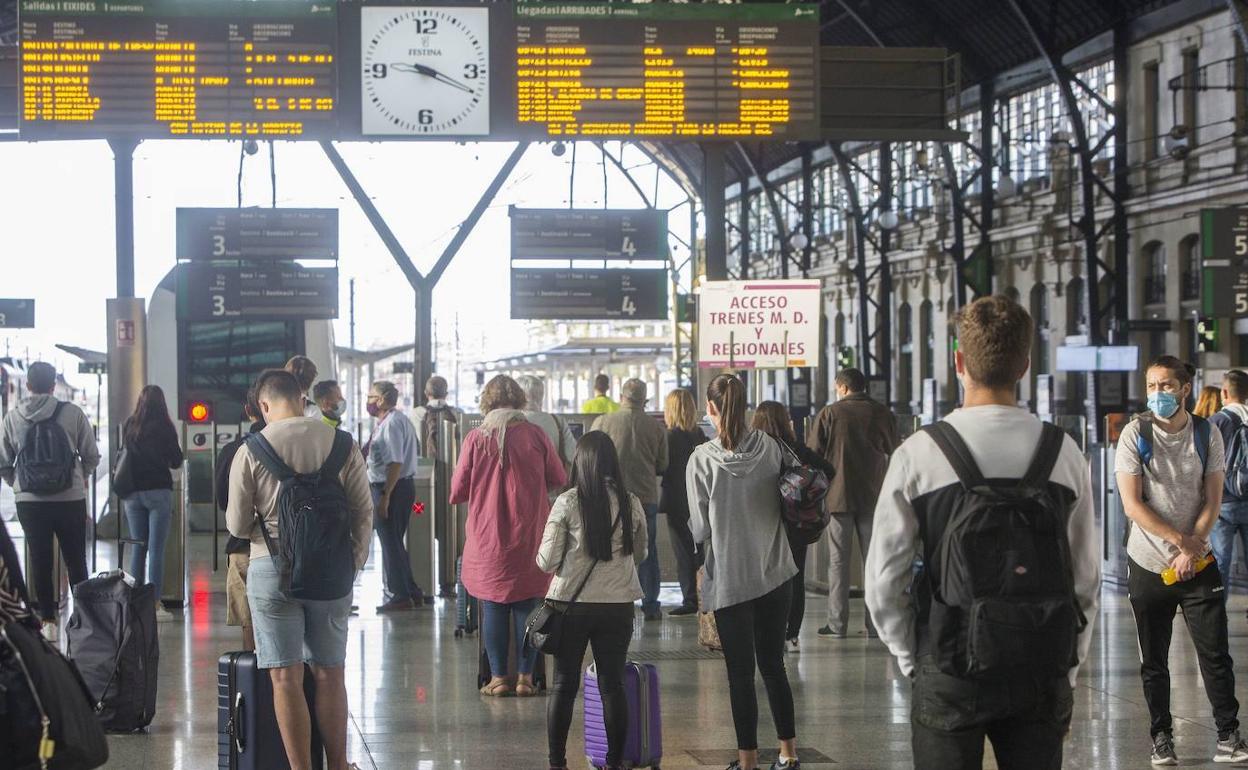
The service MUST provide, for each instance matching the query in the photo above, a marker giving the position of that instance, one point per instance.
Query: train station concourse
(490, 384)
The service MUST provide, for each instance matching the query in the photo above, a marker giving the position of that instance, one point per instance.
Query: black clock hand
(427, 71)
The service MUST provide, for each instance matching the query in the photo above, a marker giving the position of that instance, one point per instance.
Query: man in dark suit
(855, 435)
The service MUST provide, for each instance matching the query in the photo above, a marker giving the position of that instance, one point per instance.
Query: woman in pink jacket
(506, 468)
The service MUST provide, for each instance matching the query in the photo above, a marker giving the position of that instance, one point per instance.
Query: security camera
(558, 149)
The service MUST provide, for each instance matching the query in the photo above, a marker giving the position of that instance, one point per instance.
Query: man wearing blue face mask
(1169, 468)
(327, 395)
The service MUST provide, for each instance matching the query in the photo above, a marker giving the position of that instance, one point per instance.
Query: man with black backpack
(47, 454)
(1169, 468)
(997, 508)
(1232, 423)
(299, 494)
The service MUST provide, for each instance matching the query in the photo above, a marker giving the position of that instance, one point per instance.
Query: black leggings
(66, 520)
(797, 609)
(610, 628)
(750, 630)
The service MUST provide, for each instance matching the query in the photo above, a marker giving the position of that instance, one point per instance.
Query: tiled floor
(414, 703)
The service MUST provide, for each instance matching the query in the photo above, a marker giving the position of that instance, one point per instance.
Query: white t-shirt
(1173, 486)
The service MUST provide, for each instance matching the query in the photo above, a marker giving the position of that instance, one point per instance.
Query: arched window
(1076, 307)
(927, 340)
(1189, 253)
(905, 355)
(1040, 343)
(1155, 275)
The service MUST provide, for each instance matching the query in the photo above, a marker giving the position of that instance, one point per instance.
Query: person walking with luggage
(47, 454)
(642, 446)
(680, 414)
(1232, 523)
(773, 419)
(237, 549)
(734, 507)
(1169, 468)
(601, 403)
(327, 395)
(506, 470)
(152, 450)
(1014, 684)
(855, 435)
(291, 630)
(393, 452)
(594, 538)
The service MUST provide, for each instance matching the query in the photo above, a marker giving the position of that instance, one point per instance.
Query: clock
(425, 70)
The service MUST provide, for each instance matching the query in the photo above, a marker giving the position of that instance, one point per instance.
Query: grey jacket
(81, 437)
(641, 442)
(734, 510)
(563, 553)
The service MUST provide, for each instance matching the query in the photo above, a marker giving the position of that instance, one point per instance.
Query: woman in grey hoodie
(734, 508)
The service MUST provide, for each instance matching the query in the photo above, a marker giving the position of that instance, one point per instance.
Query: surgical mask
(373, 409)
(1163, 404)
(337, 410)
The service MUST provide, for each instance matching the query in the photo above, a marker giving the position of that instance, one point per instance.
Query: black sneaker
(827, 633)
(786, 764)
(1163, 750)
(736, 765)
(653, 614)
(682, 610)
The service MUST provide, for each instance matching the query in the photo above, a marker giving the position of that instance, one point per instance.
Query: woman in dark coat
(683, 436)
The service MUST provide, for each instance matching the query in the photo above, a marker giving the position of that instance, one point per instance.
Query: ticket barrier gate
(421, 550)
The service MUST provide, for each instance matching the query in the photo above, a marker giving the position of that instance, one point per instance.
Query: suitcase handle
(235, 726)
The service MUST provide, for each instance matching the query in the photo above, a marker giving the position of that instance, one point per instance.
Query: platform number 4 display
(628, 247)
(628, 307)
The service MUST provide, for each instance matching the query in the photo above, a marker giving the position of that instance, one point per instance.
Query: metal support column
(988, 191)
(123, 185)
(885, 329)
(713, 184)
(743, 229)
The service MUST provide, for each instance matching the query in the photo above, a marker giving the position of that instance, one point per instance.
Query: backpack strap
(957, 453)
(56, 412)
(267, 456)
(1047, 453)
(1144, 440)
(1202, 434)
(338, 454)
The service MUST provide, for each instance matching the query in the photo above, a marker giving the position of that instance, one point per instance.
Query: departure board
(171, 68)
(658, 70)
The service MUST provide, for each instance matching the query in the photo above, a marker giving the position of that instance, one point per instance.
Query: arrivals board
(257, 234)
(696, 71)
(1224, 264)
(608, 234)
(563, 294)
(170, 68)
(280, 292)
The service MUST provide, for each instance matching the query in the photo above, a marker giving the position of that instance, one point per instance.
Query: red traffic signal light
(198, 411)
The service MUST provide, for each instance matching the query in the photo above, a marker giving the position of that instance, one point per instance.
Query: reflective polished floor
(414, 704)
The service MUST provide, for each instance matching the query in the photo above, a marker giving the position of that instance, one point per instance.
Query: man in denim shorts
(289, 631)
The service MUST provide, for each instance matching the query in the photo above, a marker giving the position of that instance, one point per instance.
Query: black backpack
(1237, 459)
(313, 522)
(1000, 575)
(45, 463)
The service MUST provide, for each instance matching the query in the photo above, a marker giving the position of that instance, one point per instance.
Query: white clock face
(425, 71)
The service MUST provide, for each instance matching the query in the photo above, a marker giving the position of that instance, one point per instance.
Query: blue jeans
(1232, 522)
(148, 514)
(502, 624)
(648, 570)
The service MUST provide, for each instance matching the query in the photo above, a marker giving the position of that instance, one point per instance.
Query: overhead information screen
(666, 70)
(170, 68)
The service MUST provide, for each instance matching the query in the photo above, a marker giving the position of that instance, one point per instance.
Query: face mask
(1163, 404)
(337, 410)
(373, 409)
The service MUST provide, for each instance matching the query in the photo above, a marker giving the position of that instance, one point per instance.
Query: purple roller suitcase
(644, 747)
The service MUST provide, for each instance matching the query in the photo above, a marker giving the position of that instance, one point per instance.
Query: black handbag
(543, 631)
(123, 473)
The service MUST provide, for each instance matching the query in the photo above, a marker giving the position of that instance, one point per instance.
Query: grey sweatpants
(841, 531)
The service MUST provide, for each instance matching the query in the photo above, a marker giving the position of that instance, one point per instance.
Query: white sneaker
(163, 615)
(51, 631)
(1233, 750)
(792, 645)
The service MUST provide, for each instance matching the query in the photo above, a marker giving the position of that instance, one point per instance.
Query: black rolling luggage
(483, 660)
(248, 737)
(112, 639)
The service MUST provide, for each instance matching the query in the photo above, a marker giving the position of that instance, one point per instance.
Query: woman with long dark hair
(734, 508)
(151, 444)
(773, 419)
(595, 536)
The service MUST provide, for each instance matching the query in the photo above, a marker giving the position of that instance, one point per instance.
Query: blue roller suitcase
(248, 737)
(644, 747)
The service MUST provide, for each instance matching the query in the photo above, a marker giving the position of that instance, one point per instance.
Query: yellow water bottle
(1170, 577)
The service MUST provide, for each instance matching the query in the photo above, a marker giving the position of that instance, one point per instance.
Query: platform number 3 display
(425, 71)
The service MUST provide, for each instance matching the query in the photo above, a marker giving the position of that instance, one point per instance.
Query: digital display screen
(169, 68)
(665, 70)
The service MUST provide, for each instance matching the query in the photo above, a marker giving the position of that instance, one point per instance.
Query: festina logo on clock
(426, 70)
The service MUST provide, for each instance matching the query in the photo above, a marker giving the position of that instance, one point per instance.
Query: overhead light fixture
(1178, 142)
(558, 149)
(799, 240)
(888, 219)
(1006, 186)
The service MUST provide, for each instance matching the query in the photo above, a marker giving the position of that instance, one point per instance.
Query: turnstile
(421, 550)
